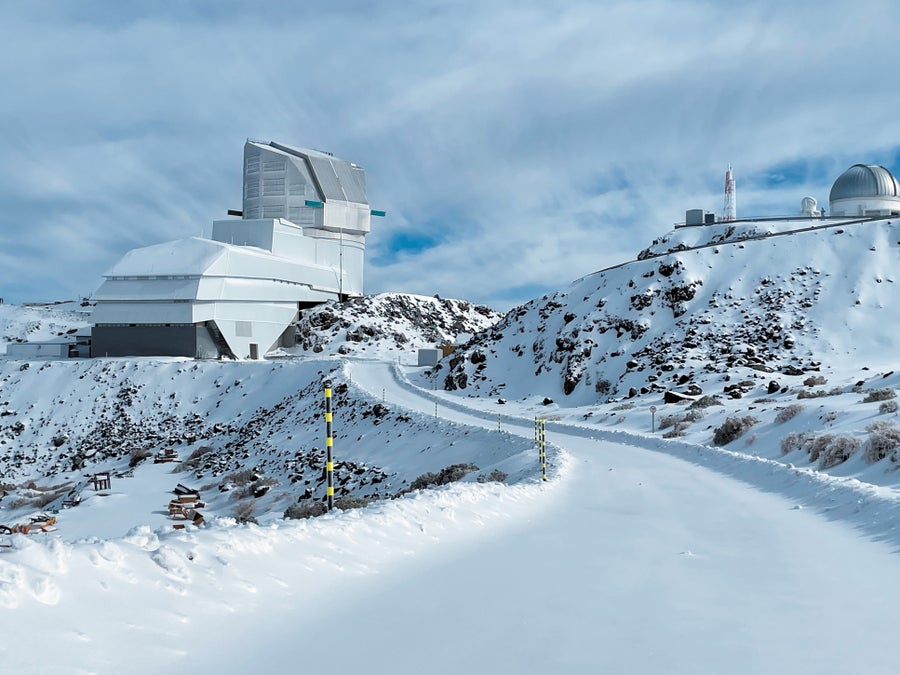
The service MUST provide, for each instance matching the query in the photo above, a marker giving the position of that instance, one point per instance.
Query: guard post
(329, 443)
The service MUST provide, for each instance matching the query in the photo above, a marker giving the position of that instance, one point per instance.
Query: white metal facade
(250, 275)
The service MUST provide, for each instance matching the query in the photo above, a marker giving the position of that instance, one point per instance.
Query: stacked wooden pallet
(184, 506)
(167, 455)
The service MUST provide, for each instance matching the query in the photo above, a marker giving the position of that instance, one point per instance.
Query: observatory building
(865, 190)
(237, 290)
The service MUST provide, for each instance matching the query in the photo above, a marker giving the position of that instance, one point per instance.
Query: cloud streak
(520, 144)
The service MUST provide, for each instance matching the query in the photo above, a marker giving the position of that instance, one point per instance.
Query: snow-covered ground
(659, 544)
(629, 560)
(38, 323)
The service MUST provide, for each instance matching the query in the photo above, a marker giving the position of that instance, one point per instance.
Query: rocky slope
(245, 433)
(722, 319)
(250, 433)
(388, 324)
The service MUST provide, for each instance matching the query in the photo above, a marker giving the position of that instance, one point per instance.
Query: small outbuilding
(429, 357)
(28, 351)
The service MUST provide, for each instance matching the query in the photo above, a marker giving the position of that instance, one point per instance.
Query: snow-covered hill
(765, 310)
(40, 322)
(388, 324)
(251, 435)
(780, 349)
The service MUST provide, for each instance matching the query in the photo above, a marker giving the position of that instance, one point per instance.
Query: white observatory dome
(865, 190)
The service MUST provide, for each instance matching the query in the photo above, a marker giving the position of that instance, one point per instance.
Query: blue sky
(515, 145)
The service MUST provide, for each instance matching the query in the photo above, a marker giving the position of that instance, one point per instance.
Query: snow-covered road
(631, 560)
(641, 562)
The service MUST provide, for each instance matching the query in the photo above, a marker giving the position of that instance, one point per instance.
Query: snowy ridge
(388, 324)
(246, 435)
(686, 238)
(40, 322)
(760, 310)
(787, 342)
(664, 541)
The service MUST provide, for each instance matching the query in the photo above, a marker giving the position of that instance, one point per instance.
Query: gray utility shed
(38, 350)
(429, 357)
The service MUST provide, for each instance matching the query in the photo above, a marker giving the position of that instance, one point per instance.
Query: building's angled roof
(336, 178)
(865, 180)
(179, 257)
(182, 257)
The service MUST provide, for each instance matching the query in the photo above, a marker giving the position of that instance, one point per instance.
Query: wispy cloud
(515, 146)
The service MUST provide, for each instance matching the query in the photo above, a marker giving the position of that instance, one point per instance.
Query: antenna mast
(730, 197)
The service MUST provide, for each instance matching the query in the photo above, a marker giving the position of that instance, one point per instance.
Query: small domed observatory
(809, 207)
(865, 190)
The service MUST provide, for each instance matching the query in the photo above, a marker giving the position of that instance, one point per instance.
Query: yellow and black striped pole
(542, 431)
(329, 443)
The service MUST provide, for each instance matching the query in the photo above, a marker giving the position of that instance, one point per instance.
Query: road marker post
(329, 457)
(540, 440)
(543, 450)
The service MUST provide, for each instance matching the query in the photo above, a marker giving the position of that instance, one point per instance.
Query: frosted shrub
(449, 474)
(838, 450)
(193, 462)
(495, 476)
(138, 455)
(883, 440)
(241, 477)
(819, 393)
(828, 449)
(732, 428)
(243, 512)
(667, 421)
(705, 402)
(424, 480)
(815, 445)
(310, 510)
(795, 441)
(498, 476)
(347, 503)
(888, 407)
(874, 395)
(693, 415)
(689, 416)
(788, 413)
